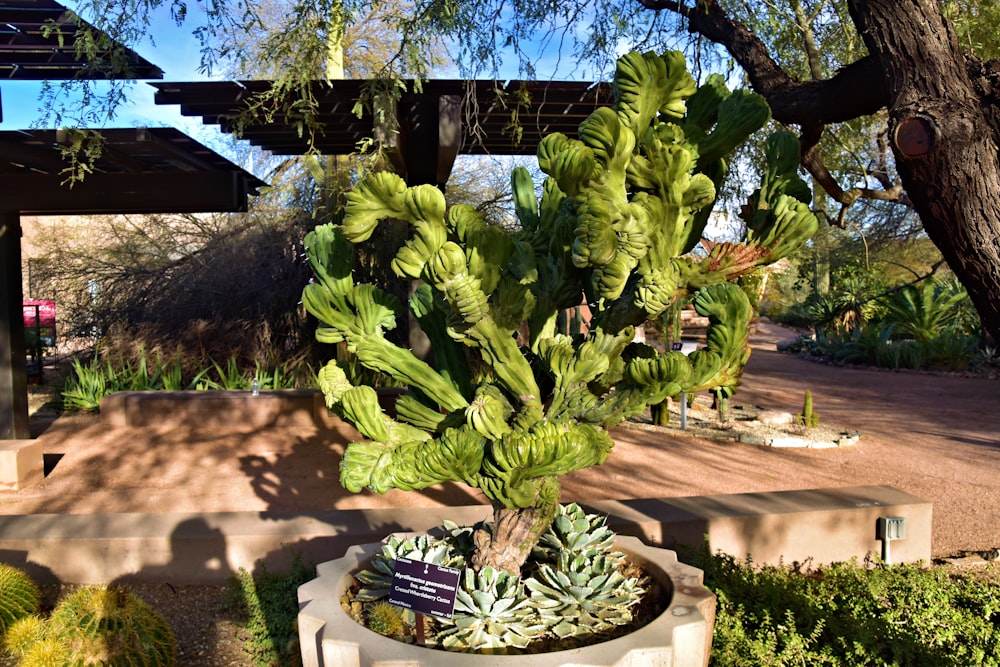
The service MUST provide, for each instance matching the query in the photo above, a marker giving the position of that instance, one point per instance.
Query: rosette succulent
(508, 404)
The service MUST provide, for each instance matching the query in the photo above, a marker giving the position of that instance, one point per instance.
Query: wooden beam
(171, 192)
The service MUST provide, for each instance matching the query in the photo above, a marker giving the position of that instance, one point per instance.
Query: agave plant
(492, 614)
(578, 587)
(508, 404)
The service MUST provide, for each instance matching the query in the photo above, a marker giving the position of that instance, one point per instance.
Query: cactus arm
(501, 353)
(516, 464)
(778, 216)
(331, 258)
(572, 367)
(455, 456)
(487, 248)
(569, 162)
(721, 363)
(375, 198)
(525, 202)
(397, 455)
(411, 410)
(784, 229)
(402, 365)
(448, 355)
(740, 114)
(647, 84)
(490, 412)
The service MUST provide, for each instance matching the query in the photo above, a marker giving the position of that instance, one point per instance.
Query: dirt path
(936, 437)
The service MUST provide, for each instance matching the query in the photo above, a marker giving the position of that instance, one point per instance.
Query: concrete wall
(821, 525)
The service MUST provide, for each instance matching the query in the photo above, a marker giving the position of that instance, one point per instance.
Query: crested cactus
(510, 403)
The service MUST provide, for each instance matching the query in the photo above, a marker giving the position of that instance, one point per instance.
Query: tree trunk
(507, 542)
(944, 138)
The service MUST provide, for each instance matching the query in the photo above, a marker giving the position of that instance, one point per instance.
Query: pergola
(38, 41)
(140, 170)
(446, 117)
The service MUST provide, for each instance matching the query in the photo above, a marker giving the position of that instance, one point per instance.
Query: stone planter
(680, 637)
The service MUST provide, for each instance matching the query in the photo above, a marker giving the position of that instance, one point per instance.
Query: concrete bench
(21, 464)
(821, 526)
(817, 525)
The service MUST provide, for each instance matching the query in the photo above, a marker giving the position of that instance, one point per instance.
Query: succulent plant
(19, 596)
(24, 633)
(102, 625)
(384, 618)
(492, 614)
(584, 594)
(807, 417)
(574, 532)
(508, 404)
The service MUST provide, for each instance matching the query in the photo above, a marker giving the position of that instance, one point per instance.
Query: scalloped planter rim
(680, 637)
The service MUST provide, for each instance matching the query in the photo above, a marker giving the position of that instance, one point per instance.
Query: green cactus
(384, 619)
(807, 417)
(24, 633)
(19, 596)
(102, 625)
(510, 403)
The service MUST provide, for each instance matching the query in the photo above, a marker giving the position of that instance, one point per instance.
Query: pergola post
(13, 368)
(426, 140)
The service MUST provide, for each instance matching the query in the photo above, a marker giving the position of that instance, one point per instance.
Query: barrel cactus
(101, 625)
(508, 403)
(19, 596)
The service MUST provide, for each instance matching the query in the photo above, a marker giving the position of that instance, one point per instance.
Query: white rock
(775, 418)
(790, 441)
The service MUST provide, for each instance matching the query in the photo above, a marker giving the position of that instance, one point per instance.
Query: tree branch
(852, 92)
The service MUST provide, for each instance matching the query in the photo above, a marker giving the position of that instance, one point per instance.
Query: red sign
(40, 321)
(44, 310)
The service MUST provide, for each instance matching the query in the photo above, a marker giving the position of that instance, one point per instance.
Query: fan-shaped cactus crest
(509, 404)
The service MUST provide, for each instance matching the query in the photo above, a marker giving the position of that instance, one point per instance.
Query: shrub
(269, 603)
(92, 381)
(850, 614)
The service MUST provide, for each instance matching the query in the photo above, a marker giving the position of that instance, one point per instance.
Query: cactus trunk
(660, 413)
(507, 542)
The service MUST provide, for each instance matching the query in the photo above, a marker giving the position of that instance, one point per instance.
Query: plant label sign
(425, 588)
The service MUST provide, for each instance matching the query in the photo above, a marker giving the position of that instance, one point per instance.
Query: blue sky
(175, 52)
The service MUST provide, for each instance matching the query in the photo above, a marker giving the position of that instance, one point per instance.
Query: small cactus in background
(101, 625)
(19, 596)
(808, 418)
